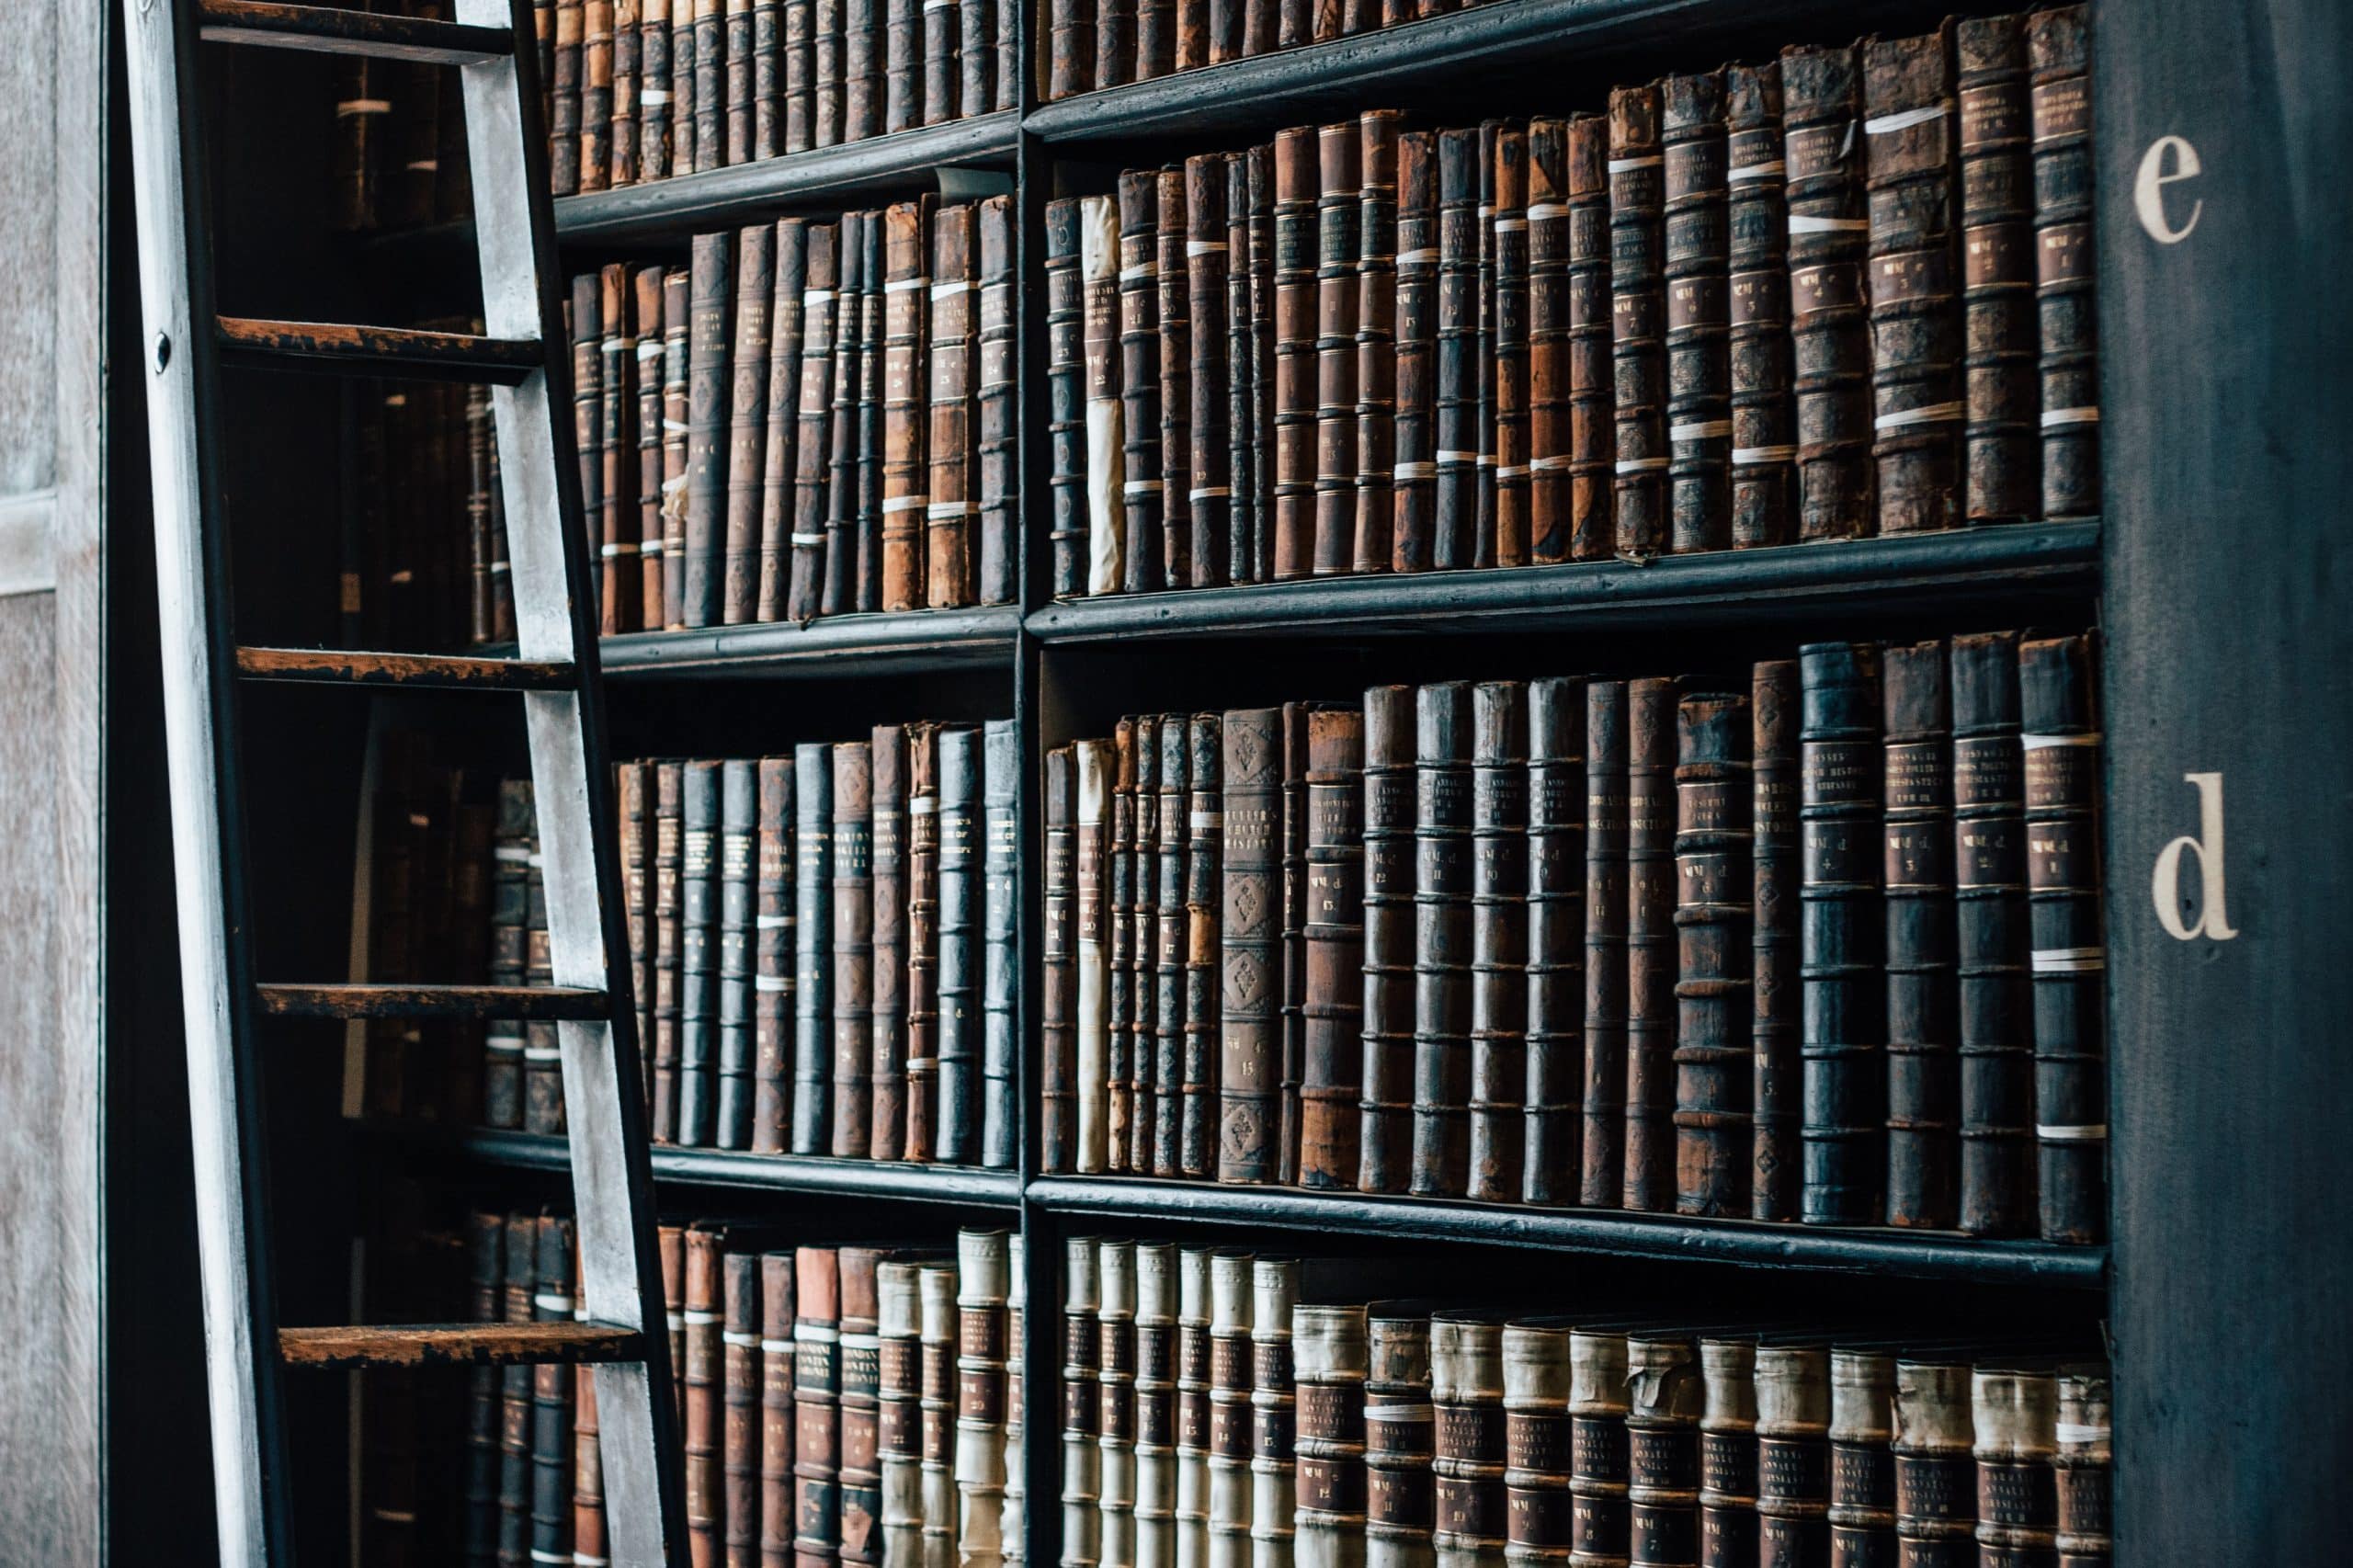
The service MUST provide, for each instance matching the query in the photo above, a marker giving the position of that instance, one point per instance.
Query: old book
(1068, 432)
(1294, 934)
(2082, 1464)
(1244, 261)
(1714, 1012)
(786, 326)
(1100, 248)
(768, 78)
(1113, 45)
(1583, 448)
(520, 1245)
(564, 99)
(813, 909)
(1331, 1069)
(1172, 940)
(868, 398)
(976, 56)
(959, 1132)
(1728, 1454)
(1699, 320)
(1376, 341)
(1250, 965)
(704, 1375)
(1339, 195)
(683, 95)
(551, 1399)
(584, 314)
(1082, 1531)
(1793, 1485)
(1058, 995)
(1014, 1514)
(542, 1052)
(772, 959)
(1115, 1440)
(1455, 514)
(1400, 1438)
(1209, 259)
(906, 285)
(589, 1536)
(825, 65)
(699, 984)
(819, 312)
(1157, 1286)
(1552, 1092)
(1070, 35)
(777, 1348)
(502, 1071)
(1499, 886)
(747, 423)
(2058, 709)
(890, 847)
(1442, 940)
(620, 167)
(999, 1126)
(2058, 47)
(1637, 258)
(485, 1407)
(1995, 1021)
(1861, 1486)
(899, 1395)
(1412, 517)
(1330, 1359)
(816, 1407)
(1509, 364)
(996, 457)
(1775, 1109)
(921, 1141)
(1549, 406)
(1468, 1462)
(1389, 779)
(1174, 304)
(1823, 154)
(1602, 1178)
(739, 834)
(712, 82)
(1274, 1297)
(1537, 1503)
(653, 90)
(668, 844)
(1197, 1119)
(740, 1435)
(1840, 941)
(2001, 461)
(1764, 414)
(1293, 279)
(983, 1260)
(1482, 528)
(670, 1251)
(1155, 38)
(840, 553)
(1230, 1492)
(1191, 1543)
(1137, 1077)
(1935, 1492)
(1095, 783)
(942, 48)
(1259, 164)
(1665, 1394)
(1649, 1151)
(708, 385)
(621, 590)
(1923, 1068)
(938, 1328)
(853, 949)
(1141, 486)
(653, 515)
(2014, 1420)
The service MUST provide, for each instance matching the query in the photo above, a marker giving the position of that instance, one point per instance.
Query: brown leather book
(1114, 48)
(868, 401)
(776, 1355)
(942, 40)
(682, 86)
(668, 840)
(1389, 979)
(1099, 254)
(1499, 860)
(840, 552)
(2001, 458)
(1775, 1162)
(1376, 339)
(1442, 940)
(1204, 899)
(800, 73)
(704, 1377)
(1340, 193)
(709, 387)
(816, 1407)
(1329, 1354)
(1509, 362)
(1332, 1067)
(1400, 1437)
(1412, 512)
(1714, 1072)
(1455, 520)
(899, 1394)
(1935, 1492)
(646, 287)
(2014, 1421)
(563, 100)
(551, 1397)
(1095, 777)
(1246, 278)
(1482, 528)
(699, 1025)
(768, 78)
(2058, 709)
(1119, 1008)
(1066, 403)
(1294, 239)
(907, 262)
(888, 847)
(922, 953)
(633, 795)
(736, 130)
(772, 961)
(1923, 1026)
(1995, 1027)
(1209, 495)
(740, 1422)
(1841, 927)
(2058, 45)
(747, 422)
(1293, 936)
(1210, 32)
(1070, 37)
(853, 947)
(862, 71)
(596, 95)
(1170, 940)
(1556, 871)
(2082, 1465)
(739, 834)
(670, 1249)
(584, 315)
(1467, 1463)
(653, 91)
(950, 558)
(1764, 416)
(1794, 1402)
(860, 1406)
(1650, 944)
(1260, 172)
(1823, 151)
(1261, 26)
(1602, 1182)
(1251, 963)
(940, 1326)
(976, 1088)
(814, 979)
(1058, 996)
(711, 85)
(1728, 1454)
(996, 451)
(1548, 405)
(786, 300)
(1698, 324)
(1144, 902)
(903, 56)
(1538, 1511)
(1664, 1397)
(1156, 39)
(622, 591)
(819, 312)
(1592, 426)
(1638, 321)
(1172, 292)
(976, 57)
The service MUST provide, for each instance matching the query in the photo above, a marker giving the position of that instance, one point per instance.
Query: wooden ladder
(554, 675)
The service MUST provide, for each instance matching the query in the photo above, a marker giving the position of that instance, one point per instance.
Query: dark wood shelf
(1993, 566)
(914, 642)
(1932, 1255)
(958, 1186)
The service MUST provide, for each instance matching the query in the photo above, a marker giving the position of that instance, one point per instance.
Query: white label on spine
(905, 285)
(1424, 255)
(1755, 171)
(1407, 472)
(815, 296)
(1511, 470)
(506, 1044)
(1641, 465)
(700, 1320)
(950, 288)
(808, 538)
(1449, 459)
(2036, 742)
(861, 1341)
(1399, 1412)
(1749, 456)
(547, 1301)
(772, 985)
(611, 551)
(1889, 124)
(1510, 225)
(814, 1332)
(649, 348)
(2094, 1132)
(1544, 212)
(650, 547)
(1204, 821)
(1551, 465)
(654, 98)
(1698, 430)
(2070, 960)
(544, 1053)
(1209, 493)
(905, 503)
(1204, 247)
(737, 1336)
(922, 805)
(1934, 413)
(2053, 418)
(677, 1321)
(774, 922)
(943, 511)
(1141, 270)
(1141, 487)
(1800, 223)
(1628, 165)
(2075, 1432)
(674, 427)
(777, 1346)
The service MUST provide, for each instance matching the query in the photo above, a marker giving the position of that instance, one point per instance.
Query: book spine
(1266, 263)
(1171, 940)
(813, 900)
(869, 399)
(621, 586)
(1455, 512)
(712, 87)
(768, 78)
(1601, 1183)
(772, 966)
(2001, 463)
(1338, 228)
(668, 842)
(1794, 1403)
(1499, 887)
(670, 1250)
(521, 1246)
(564, 99)
(819, 312)
(1082, 1532)
(1549, 404)
(853, 949)
(1822, 155)
(1068, 435)
(485, 1407)
(1155, 1404)
(1095, 782)
(906, 288)
(1230, 1492)
(983, 1259)
(1000, 936)
(1294, 238)
(1555, 934)
(653, 90)
(786, 329)
(943, 32)
(1245, 259)
(542, 1052)
(1482, 528)
(682, 86)
(2082, 1466)
(1728, 1454)
(839, 595)
(704, 1375)
(1699, 321)
(1143, 487)
(1375, 432)
(1173, 303)
(584, 315)
(1510, 365)
(1935, 1492)
(1100, 249)
(2069, 954)
(1193, 1408)
(739, 834)
(2066, 269)
(1764, 418)
(1390, 780)
(1714, 1069)
(1331, 1071)
(1650, 945)
(699, 978)
(938, 1328)
(1014, 1514)
(1538, 1507)
(1058, 994)
(739, 1427)
(1592, 376)
(747, 424)
(977, 55)
(1637, 245)
(1996, 1029)
(997, 399)
(1840, 942)
(707, 388)
(634, 789)
(960, 900)
(1204, 900)
(1468, 1462)
(552, 1400)
(777, 1501)
(921, 1142)
(1209, 261)
(1251, 964)
(1141, 950)
(894, 1088)
(2014, 1418)
(652, 512)
(1274, 1413)
(1115, 1442)
(1202, 29)
(1414, 475)
(1442, 940)
(816, 1407)
(828, 41)
(1664, 1399)
(1776, 1113)
(1070, 33)
(1923, 1068)
(1400, 1438)
(899, 1393)
(902, 44)
(1330, 1359)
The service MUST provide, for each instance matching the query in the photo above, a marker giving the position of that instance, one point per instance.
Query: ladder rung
(381, 350)
(460, 1345)
(330, 30)
(540, 1002)
(428, 671)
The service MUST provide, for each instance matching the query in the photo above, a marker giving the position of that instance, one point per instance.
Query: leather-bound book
(813, 404)
(768, 78)
(2081, 1465)
(1192, 1518)
(1376, 340)
(704, 1375)
(1537, 1501)
(1455, 512)
(1775, 1110)
(1714, 1012)
(634, 791)
(1728, 1454)
(1114, 1440)
(1665, 1393)
(711, 84)
(1251, 962)
(1593, 424)
(670, 1249)
(816, 1407)
(1468, 1462)
(1070, 35)
(1156, 39)
(1414, 476)
(1095, 782)
(652, 90)
(959, 969)
(485, 1408)
(1861, 1486)
(1602, 1176)
(1244, 263)
(1210, 32)
(1266, 262)
(2001, 461)
(1482, 528)
(1274, 1413)
(996, 453)
(740, 1426)
(646, 290)
(838, 589)
(1699, 319)
(937, 1324)
(1141, 485)
(1510, 361)
(1340, 193)
(1333, 1066)
(1198, 1120)
(983, 1260)
(1400, 1438)
(899, 1390)
(1208, 498)
(1293, 938)
(1330, 1359)
(747, 423)
(1923, 1026)
(668, 842)
(1598, 1526)
(1556, 927)
(1499, 862)
(736, 117)
(2014, 1419)
(682, 86)
(1171, 937)
(870, 418)
(1155, 1404)
(1389, 943)
(1067, 431)
(1082, 1531)
(709, 388)
(1823, 155)
(699, 953)
(584, 315)
(2058, 45)
(853, 949)
(542, 1052)
(942, 45)
(894, 1086)
(923, 942)
(1000, 937)
(552, 1400)
(1638, 321)
(1294, 238)
(976, 58)
(1144, 909)
(522, 1247)
(1173, 306)
(1442, 940)
(739, 834)
(1936, 1490)
(906, 284)
(1764, 416)
(563, 100)
(785, 332)
(1840, 934)
(2062, 739)
(624, 593)
(1230, 1492)
(777, 1348)
(1793, 1419)
(1548, 340)
(1014, 1514)
(1107, 512)
(813, 909)
(1058, 994)
(1651, 955)
(825, 40)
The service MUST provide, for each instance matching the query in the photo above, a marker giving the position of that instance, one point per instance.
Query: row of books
(1094, 44)
(1218, 1407)
(1845, 292)
(1822, 942)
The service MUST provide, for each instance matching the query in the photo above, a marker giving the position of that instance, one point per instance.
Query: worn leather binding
(704, 1375)
(633, 792)
(1115, 1440)
(1119, 1031)
(1092, 930)
(960, 969)
(709, 388)
(670, 1247)
(2001, 463)
(1332, 1068)
(1728, 1454)
(682, 88)
(747, 423)
(853, 949)
(603, 106)
(1862, 1467)
(1143, 487)
(1058, 992)
(1338, 225)
(2013, 1418)
(826, 86)
(711, 84)
(773, 568)
(1000, 928)
(1251, 964)
(1764, 416)
(1776, 1102)
(1209, 460)
(1468, 1460)
(1100, 249)
(1230, 1490)
(2069, 953)
(936, 1290)
(1198, 1121)
(1714, 1068)
(816, 1407)
(1840, 934)
(552, 1398)
(899, 1392)
(1266, 263)
(543, 1053)
(1015, 1526)
(905, 474)
(2066, 266)
(1599, 1528)
(977, 55)
(811, 439)
(1638, 357)
(1508, 365)
(653, 88)
(1389, 943)
(519, 1244)
(1548, 340)
(1274, 1413)
(893, 1089)
(485, 1405)
(1294, 238)
(840, 488)
(1329, 1354)
(563, 100)
(942, 67)
(1699, 321)
(861, 1478)
(1294, 936)
(1192, 1518)
(1651, 944)
(1794, 1486)
(1454, 541)
(1499, 868)
(1823, 154)
(1067, 428)
(923, 941)
(668, 842)
(1173, 371)
(1373, 438)
(1602, 1179)
(1666, 1393)
(2080, 1463)
(698, 952)
(739, 823)
(1555, 1006)
(772, 958)
(741, 92)
(983, 1260)
(1936, 1493)
(1923, 1026)
(1155, 1404)
(1592, 375)
(1482, 528)
(1442, 940)
(903, 61)
(996, 550)
(869, 402)
(583, 316)
(1171, 938)
(1246, 263)
(1142, 981)
(777, 1353)
(740, 1424)
(812, 905)
(1210, 32)
(1412, 521)
(1400, 1438)
(1070, 28)
(1156, 39)
(620, 580)
(1537, 1501)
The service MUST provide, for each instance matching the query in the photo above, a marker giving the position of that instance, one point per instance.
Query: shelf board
(1997, 565)
(1933, 1255)
(917, 642)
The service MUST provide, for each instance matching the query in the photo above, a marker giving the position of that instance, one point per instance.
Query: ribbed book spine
(1456, 455)
(1374, 432)
(1155, 1404)
(2013, 1418)
(564, 99)
(976, 51)
(1862, 1487)
(1099, 254)
(1015, 1516)
(634, 789)
(1141, 486)
(1209, 263)
(1389, 983)
(959, 1132)
(853, 949)
(1192, 1536)
(998, 451)
(646, 294)
(1251, 974)
(522, 1247)
(485, 1406)
(1556, 869)
(1599, 1526)
(1339, 187)
(951, 504)
(1067, 428)
(1548, 340)
(1267, 269)
(936, 1286)
(1510, 368)
(1601, 1183)
(1292, 959)
(1332, 1066)
(1173, 289)
(894, 1086)
(1330, 1359)
(1997, 1031)
(1115, 1441)
(786, 330)
(1483, 527)
(1400, 1438)
(703, 1376)
(1650, 945)
(1537, 1501)
(2001, 460)
(1442, 940)
(922, 1045)
(1274, 1413)
(1714, 1012)
(1728, 1454)
(868, 398)
(841, 549)
(1246, 263)
(585, 318)
(1775, 1112)
(1121, 1028)
(1764, 416)
(2058, 45)
(1414, 475)
(902, 62)
(739, 835)
(669, 837)
(983, 1259)
(747, 423)
(1000, 937)
(711, 85)
(1793, 1415)
(1082, 1533)
(1593, 404)
(1058, 967)
(816, 1407)
(812, 1010)
(1468, 1462)
(588, 1532)
(1936, 1491)
(1170, 941)
(1070, 34)
(861, 1473)
(698, 947)
(1204, 906)
(1230, 1490)
(1665, 1396)
(1923, 1077)
(709, 386)
(652, 90)
(620, 579)
(552, 1400)
(677, 316)
(776, 1434)
(1822, 156)
(942, 41)
(1699, 323)
(1094, 779)
(2082, 1465)
(1637, 261)
(1295, 238)
(819, 312)
(1499, 860)
(899, 1445)
(1840, 941)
